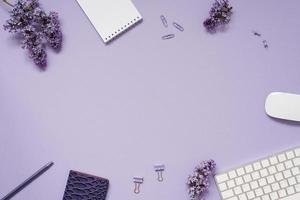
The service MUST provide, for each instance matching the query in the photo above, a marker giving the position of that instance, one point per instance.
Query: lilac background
(116, 110)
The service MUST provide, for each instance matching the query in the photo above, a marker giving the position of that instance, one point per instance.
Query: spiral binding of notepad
(122, 29)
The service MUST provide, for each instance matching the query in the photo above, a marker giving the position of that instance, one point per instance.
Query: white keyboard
(273, 178)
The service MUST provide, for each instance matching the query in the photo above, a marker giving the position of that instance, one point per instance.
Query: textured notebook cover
(82, 186)
(110, 17)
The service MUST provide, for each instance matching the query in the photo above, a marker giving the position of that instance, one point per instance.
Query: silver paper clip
(167, 37)
(137, 183)
(179, 27)
(159, 170)
(164, 21)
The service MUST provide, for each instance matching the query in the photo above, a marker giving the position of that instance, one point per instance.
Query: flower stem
(5, 1)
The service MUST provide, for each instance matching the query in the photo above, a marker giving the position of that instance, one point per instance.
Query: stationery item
(164, 21)
(159, 170)
(256, 33)
(85, 187)
(265, 43)
(167, 37)
(198, 182)
(177, 26)
(274, 177)
(28, 181)
(283, 106)
(137, 183)
(110, 17)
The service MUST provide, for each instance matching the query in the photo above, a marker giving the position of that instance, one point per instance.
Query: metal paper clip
(164, 21)
(179, 27)
(167, 37)
(159, 170)
(265, 44)
(137, 183)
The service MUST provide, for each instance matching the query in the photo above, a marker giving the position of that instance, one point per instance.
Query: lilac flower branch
(36, 28)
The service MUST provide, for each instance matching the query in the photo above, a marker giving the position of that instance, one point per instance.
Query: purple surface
(116, 110)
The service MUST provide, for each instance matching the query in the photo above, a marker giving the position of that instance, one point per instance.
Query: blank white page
(110, 17)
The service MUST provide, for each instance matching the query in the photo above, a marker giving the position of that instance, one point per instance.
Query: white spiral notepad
(110, 17)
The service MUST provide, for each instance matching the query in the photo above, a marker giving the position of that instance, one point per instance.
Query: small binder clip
(137, 183)
(265, 44)
(159, 170)
(256, 33)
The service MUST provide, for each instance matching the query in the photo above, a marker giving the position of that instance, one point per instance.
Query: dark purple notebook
(82, 186)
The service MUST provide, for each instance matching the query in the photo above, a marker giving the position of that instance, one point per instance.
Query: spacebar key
(293, 197)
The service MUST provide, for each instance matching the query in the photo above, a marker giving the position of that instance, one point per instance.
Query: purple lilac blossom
(198, 182)
(219, 15)
(36, 28)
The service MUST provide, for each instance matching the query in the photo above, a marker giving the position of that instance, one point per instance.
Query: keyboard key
(222, 186)
(255, 175)
(274, 196)
(242, 197)
(275, 186)
(282, 193)
(233, 198)
(280, 167)
(240, 171)
(296, 161)
(265, 197)
(249, 169)
(262, 182)
(270, 179)
(278, 176)
(273, 160)
(264, 173)
(292, 181)
(246, 187)
(250, 195)
(257, 166)
(238, 190)
(265, 163)
(298, 178)
(290, 154)
(230, 184)
(247, 178)
(295, 171)
(283, 184)
(221, 178)
(267, 189)
(227, 194)
(297, 152)
(287, 173)
(290, 190)
(297, 188)
(259, 192)
(281, 157)
(272, 170)
(232, 174)
(254, 185)
(288, 164)
(239, 181)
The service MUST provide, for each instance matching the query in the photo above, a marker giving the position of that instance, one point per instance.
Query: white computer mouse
(283, 106)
